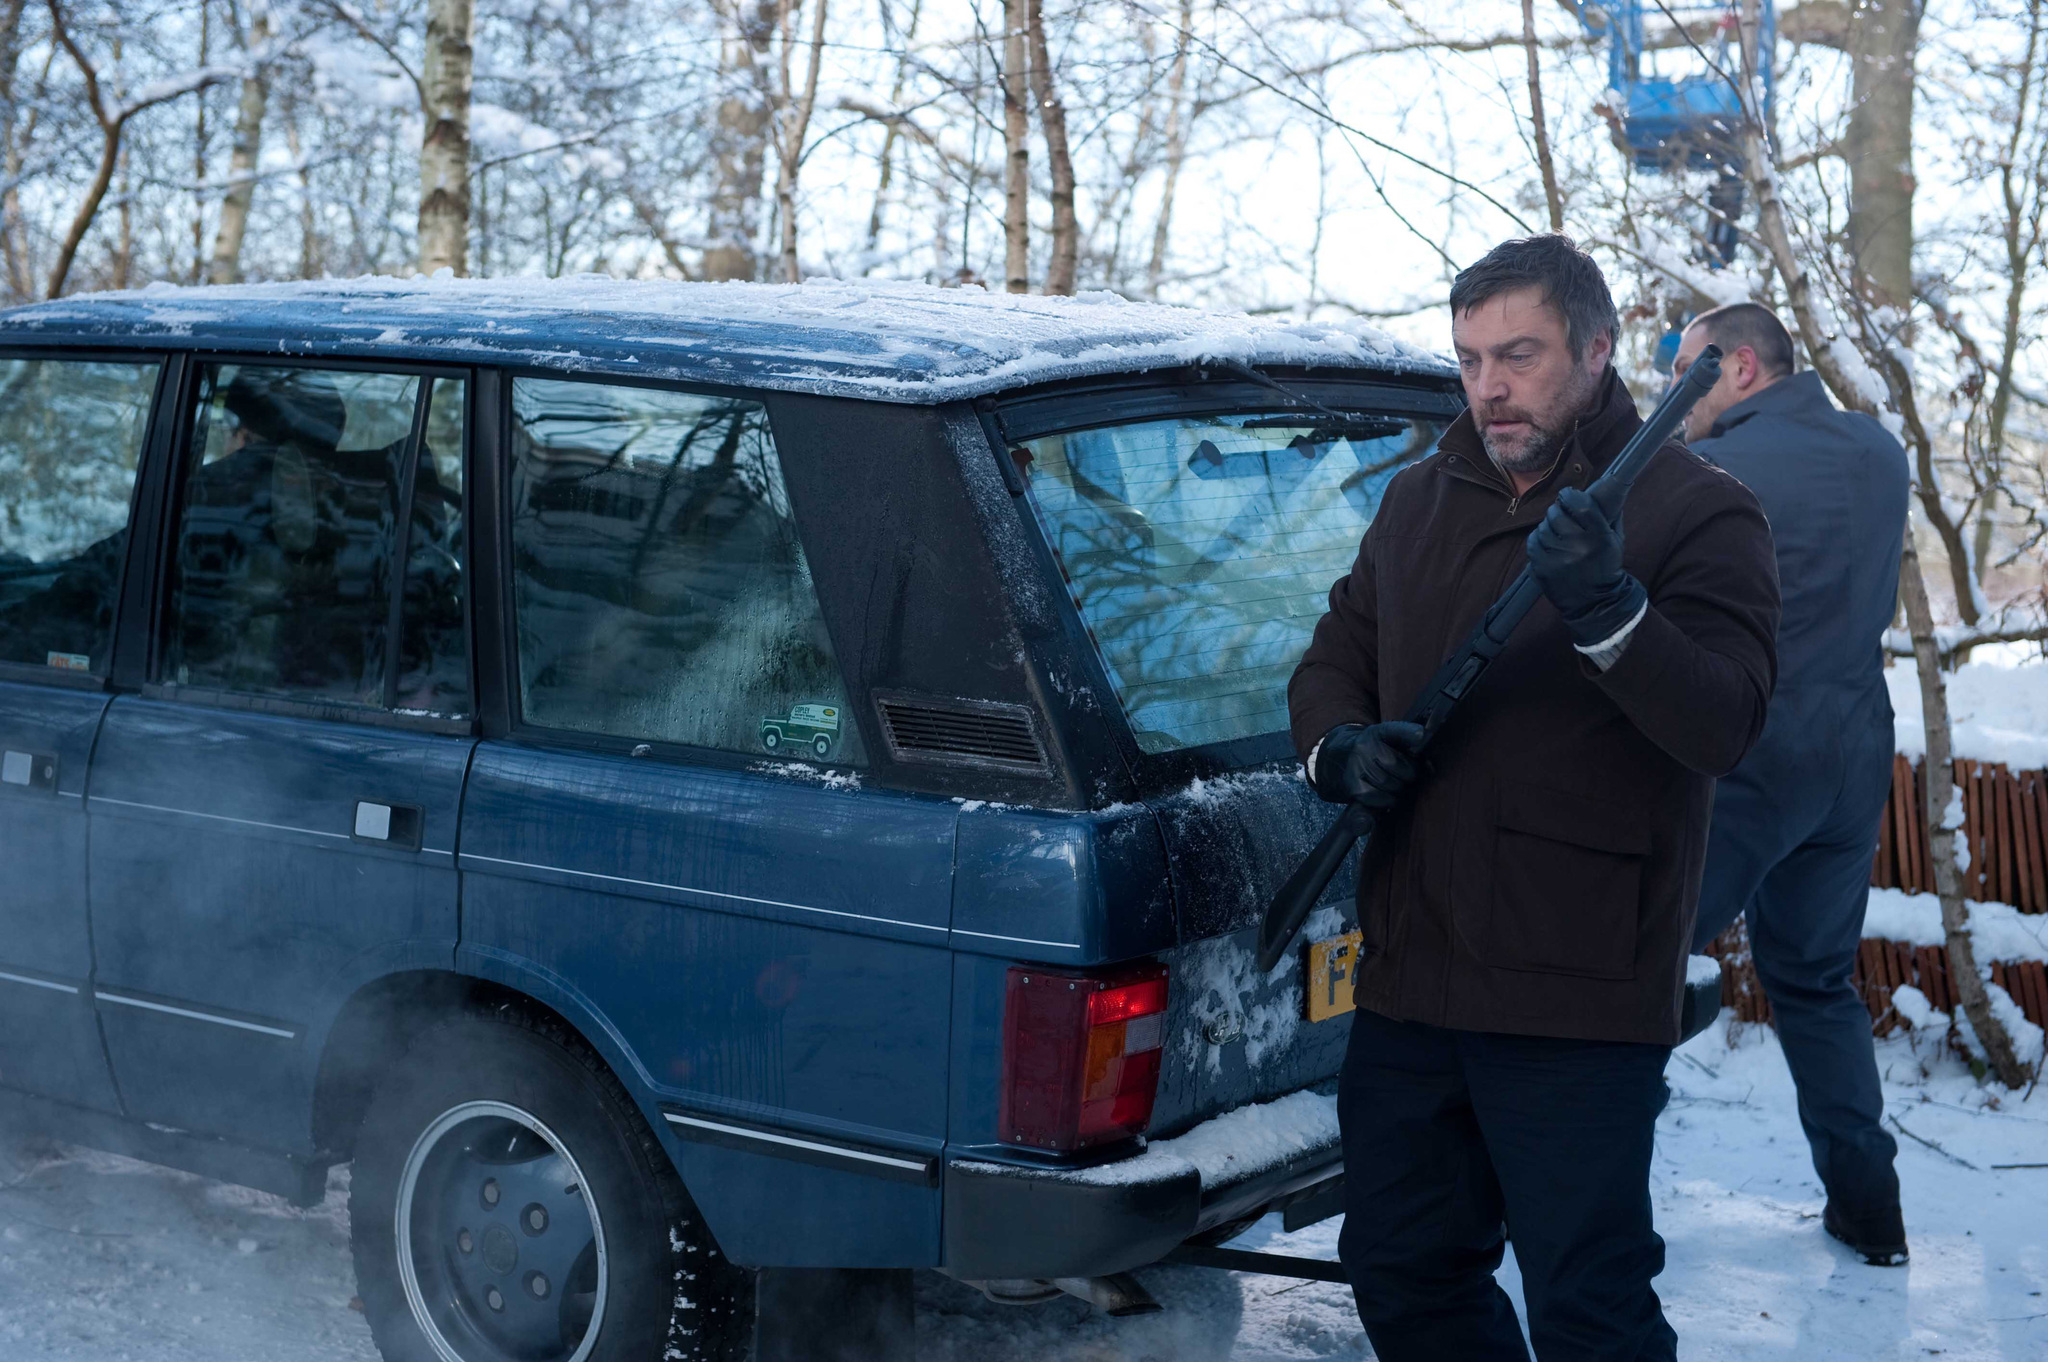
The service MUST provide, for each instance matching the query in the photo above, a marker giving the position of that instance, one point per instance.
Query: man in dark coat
(1527, 902)
(1796, 824)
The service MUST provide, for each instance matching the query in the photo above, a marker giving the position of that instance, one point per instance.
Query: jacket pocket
(1567, 884)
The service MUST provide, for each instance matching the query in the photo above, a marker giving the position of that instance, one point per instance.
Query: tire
(771, 738)
(822, 745)
(543, 1221)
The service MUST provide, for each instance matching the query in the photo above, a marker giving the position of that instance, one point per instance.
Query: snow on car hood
(855, 338)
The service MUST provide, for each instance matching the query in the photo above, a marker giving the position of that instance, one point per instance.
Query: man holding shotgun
(1528, 893)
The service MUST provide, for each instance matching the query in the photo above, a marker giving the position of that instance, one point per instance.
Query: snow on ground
(1997, 712)
(103, 1259)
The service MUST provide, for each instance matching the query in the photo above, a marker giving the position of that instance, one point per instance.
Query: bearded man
(1527, 901)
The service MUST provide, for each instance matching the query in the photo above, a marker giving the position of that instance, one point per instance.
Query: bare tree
(1540, 131)
(1052, 121)
(113, 117)
(740, 140)
(792, 128)
(13, 240)
(445, 78)
(1178, 119)
(1016, 152)
(234, 208)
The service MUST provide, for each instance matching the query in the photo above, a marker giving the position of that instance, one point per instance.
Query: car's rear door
(1198, 534)
(751, 932)
(72, 432)
(273, 816)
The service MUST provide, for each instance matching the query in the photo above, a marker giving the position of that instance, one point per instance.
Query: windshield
(1200, 551)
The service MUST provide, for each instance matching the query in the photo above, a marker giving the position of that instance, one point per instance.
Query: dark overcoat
(1544, 878)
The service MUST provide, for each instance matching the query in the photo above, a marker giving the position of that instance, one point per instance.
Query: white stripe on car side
(38, 983)
(914, 1165)
(217, 1020)
(713, 893)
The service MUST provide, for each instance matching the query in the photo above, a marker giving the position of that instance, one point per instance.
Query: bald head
(1756, 351)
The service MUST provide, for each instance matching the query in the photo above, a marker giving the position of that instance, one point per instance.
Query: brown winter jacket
(1544, 878)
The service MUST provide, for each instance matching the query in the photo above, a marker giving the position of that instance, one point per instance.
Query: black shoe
(1880, 1238)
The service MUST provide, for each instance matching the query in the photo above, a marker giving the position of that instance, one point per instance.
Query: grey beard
(1534, 457)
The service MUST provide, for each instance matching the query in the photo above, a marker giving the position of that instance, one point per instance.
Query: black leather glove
(1575, 555)
(1369, 764)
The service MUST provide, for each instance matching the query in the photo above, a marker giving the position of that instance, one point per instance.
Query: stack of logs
(2005, 819)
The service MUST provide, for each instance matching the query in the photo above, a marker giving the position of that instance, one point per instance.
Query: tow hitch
(1266, 1264)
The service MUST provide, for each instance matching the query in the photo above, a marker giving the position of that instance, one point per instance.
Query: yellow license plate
(1331, 963)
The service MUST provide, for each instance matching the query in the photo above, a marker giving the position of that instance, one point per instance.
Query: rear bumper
(1009, 1220)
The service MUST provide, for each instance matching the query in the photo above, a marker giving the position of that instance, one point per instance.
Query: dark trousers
(1795, 827)
(1456, 1142)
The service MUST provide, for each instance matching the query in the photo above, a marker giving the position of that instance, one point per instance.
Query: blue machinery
(1691, 121)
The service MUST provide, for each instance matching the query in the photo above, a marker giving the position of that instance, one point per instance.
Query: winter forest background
(1339, 158)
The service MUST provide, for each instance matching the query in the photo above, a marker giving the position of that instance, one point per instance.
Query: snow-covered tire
(545, 1222)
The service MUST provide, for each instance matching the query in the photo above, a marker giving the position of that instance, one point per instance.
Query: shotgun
(1454, 680)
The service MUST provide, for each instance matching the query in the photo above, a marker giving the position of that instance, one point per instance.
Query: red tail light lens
(1080, 1055)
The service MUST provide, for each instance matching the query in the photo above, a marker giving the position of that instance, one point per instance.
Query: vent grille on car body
(954, 732)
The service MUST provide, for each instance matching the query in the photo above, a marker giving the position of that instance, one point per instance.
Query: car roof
(895, 342)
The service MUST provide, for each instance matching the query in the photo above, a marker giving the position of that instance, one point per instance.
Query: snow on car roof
(856, 338)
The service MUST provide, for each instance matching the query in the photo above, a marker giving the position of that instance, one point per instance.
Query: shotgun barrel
(1461, 671)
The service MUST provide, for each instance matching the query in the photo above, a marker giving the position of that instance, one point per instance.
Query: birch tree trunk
(1017, 153)
(226, 266)
(1052, 121)
(444, 152)
(739, 141)
(790, 151)
(1942, 829)
(1882, 36)
(1552, 196)
(1176, 148)
(20, 280)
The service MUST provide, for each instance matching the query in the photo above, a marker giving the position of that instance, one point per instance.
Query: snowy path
(103, 1259)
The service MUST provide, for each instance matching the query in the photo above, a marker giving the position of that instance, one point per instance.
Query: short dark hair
(1571, 283)
(1754, 325)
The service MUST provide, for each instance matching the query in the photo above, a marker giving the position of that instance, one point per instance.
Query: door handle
(29, 770)
(396, 825)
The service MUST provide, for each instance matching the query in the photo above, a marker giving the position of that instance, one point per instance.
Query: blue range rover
(711, 796)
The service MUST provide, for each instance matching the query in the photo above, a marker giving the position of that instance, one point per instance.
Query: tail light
(1080, 1055)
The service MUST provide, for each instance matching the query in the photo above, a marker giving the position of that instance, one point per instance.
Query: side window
(659, 584)
(286, 576)
(71, 435)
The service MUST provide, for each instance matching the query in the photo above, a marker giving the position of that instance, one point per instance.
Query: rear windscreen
(1200, 551)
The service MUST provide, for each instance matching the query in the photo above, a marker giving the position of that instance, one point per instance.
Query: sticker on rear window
(68, 662)
(815, 727)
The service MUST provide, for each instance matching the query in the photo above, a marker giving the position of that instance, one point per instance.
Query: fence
(2005, 824)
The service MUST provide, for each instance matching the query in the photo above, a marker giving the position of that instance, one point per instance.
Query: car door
(750, 930)
(71, 441)
(273, 816)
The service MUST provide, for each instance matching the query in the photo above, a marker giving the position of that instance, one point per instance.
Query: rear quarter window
(660, 587)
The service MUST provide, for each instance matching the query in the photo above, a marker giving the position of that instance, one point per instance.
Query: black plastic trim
(1010, 1222)
(1007, 1220)
(1138, 397)
(303, 1182)
(27, 673)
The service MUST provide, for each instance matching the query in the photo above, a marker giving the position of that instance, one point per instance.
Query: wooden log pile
(2005, 823)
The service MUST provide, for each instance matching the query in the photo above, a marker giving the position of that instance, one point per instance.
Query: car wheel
(509, 1204)
(822, 745)
(771, 739)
